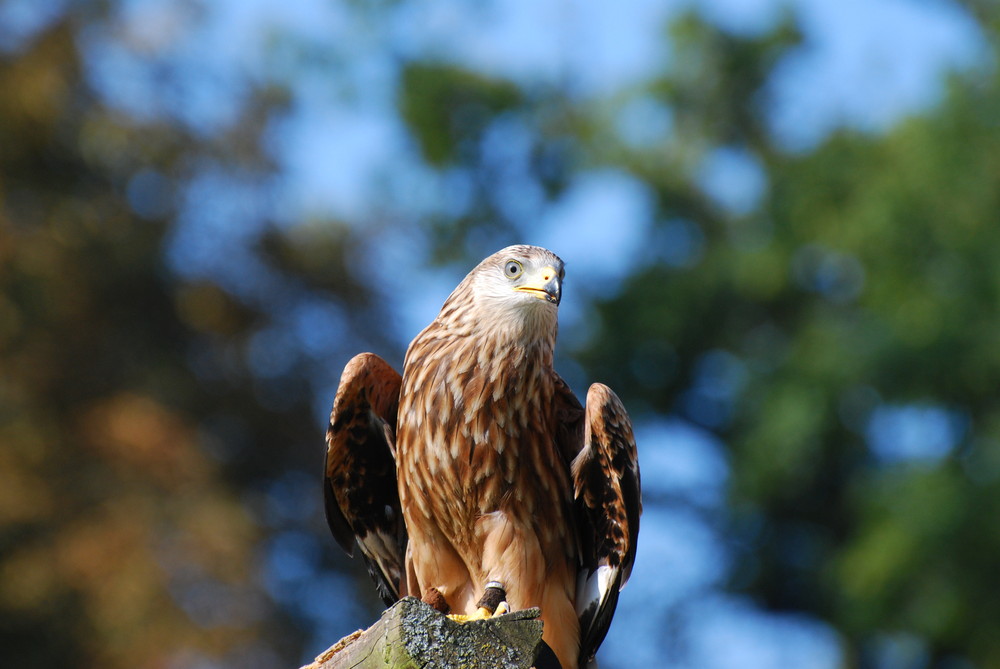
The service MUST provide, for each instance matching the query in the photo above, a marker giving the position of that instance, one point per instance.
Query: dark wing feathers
(608, 504)
(568, 414)
(359, 488)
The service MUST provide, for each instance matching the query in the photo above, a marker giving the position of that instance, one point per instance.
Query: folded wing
(360, 493)
(608, 502)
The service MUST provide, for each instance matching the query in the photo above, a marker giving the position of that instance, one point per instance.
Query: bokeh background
(781, 223)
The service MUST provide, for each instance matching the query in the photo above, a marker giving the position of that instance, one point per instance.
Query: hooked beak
(545, 285)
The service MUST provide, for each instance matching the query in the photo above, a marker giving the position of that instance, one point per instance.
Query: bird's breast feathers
(478, 422)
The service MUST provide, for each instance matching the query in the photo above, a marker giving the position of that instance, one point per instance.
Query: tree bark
(412, 635)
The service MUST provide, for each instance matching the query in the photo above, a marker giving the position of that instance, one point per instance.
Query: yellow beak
(545, 285)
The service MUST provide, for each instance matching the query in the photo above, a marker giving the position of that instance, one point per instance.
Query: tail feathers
(596, 600)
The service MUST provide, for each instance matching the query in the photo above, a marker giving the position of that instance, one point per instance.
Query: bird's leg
(493, 603)
(494, 599)
(434, 597)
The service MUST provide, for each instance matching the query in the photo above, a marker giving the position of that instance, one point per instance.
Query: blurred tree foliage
(136, 446)
(138, 436)
(866, 280)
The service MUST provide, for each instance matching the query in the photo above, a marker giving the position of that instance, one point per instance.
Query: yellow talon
(482, 613)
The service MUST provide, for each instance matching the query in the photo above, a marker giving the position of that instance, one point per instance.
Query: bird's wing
(360, 494)
(569, 420)
(608, 504)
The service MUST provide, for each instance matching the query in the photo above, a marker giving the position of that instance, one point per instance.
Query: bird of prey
(477, 480)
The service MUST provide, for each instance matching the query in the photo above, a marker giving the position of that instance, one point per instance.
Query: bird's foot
(492, 604)
(482, 613)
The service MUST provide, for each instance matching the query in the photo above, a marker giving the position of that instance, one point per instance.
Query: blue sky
(343, 153)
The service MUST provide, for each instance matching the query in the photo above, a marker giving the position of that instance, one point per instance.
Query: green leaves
(447, 108)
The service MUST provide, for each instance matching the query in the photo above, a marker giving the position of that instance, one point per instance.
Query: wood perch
(412, 635)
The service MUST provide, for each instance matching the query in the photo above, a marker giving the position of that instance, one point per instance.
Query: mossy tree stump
(412, 635)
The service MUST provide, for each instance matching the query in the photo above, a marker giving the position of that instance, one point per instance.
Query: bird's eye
(513, 269)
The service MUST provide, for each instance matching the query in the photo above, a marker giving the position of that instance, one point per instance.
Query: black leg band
(493, 595)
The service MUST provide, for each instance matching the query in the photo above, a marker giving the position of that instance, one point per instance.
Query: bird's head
(519, 287)
(519, 276)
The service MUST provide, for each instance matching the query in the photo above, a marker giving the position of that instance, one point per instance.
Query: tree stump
(412, 635)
